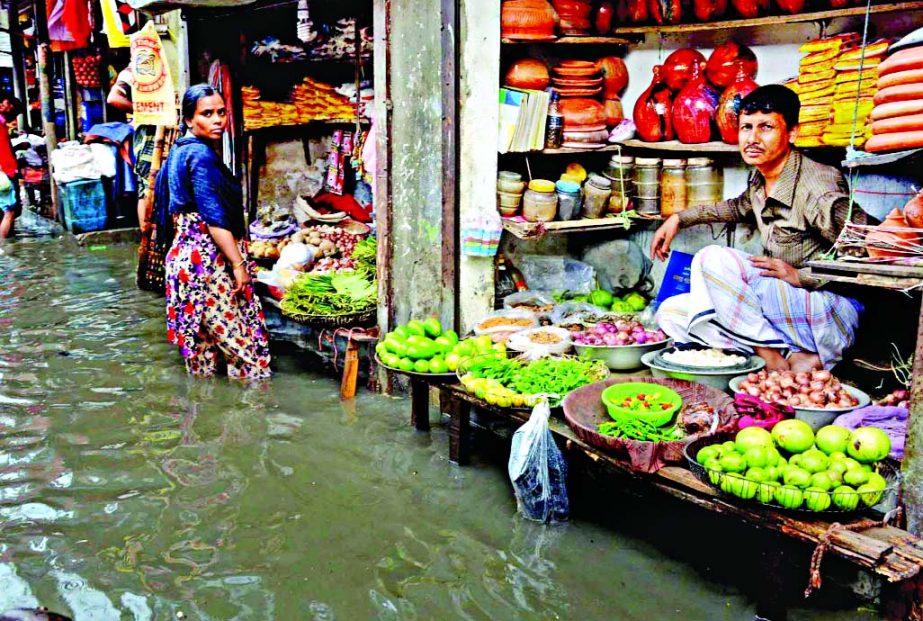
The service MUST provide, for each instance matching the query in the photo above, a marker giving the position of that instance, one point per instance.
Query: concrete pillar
(479, 75)
(417, 137)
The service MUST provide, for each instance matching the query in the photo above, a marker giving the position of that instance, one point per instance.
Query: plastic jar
(646, 170)
(704, 194)
(646, 175)
(673, 187)
(620, 169)
(596, 193)
(540, 203)
(700, 170)
(569, 199)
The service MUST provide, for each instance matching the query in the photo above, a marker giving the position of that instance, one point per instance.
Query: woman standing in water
(212, 311)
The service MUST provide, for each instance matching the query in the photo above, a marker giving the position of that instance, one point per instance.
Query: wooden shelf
(308, 124)
(672, 145)
(770, 20)
(880, 160)
(881, 275)
(534, 230)
(571, 41)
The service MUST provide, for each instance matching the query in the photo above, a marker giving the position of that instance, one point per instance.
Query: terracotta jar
(527, 19)
(677, 68)
(749, 9)
(665, 11)
(886, 240)
(604, 14)
(653, 110)
(913, 211)
(615, 76)
(729, 104)
(614, 112)
(708, 10)
(528, 73)
(582, 114)
(694, 109)
(724, 61)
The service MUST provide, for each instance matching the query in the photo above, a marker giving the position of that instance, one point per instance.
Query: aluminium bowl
(620, 357)
(714, 377)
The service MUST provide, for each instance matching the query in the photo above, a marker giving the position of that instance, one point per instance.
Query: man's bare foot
(774, 360)
(804, 361)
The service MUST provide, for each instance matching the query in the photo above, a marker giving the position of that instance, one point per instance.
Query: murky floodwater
(129, 491)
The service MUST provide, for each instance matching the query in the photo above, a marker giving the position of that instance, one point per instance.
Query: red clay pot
(721, 69)
(694, 109)
(677, 68)
(729, 104)
(653, 110)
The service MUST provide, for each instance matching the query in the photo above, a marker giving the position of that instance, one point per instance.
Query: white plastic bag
(72, 161)
(538, 470)
(297, 256)
(557, 273)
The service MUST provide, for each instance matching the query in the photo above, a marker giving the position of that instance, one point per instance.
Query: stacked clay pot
(897, 118)
(527, 20)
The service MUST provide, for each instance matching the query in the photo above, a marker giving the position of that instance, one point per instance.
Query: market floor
(129, 491)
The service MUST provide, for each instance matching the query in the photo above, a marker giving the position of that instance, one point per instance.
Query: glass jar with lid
(646, 175)
(620, 169)
(596, 193)
(672, 187)
(569, 199)
(703, 182)
(540, 203)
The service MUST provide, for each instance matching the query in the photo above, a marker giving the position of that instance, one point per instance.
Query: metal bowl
(819, 417)
(620, 357)
(714, 377)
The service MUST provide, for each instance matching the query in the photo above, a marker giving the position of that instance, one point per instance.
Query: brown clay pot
(581, 112)
(895, 219)
(527, 19)
(913, 211)
(614, 111)
(729, 104)
(527, 73)
(677, 68)
(615, 76)
(723, 62)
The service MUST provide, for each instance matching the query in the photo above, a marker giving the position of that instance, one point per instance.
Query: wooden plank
(770, 20)
(676, 145)
(533, 230)
(571, 41)
(880, 269)
(881, 159)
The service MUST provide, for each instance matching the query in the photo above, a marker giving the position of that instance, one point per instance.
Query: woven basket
(367, 318)
(151, 266)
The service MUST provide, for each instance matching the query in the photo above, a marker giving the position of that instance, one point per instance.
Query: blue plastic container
(84, 205)
(91, 113)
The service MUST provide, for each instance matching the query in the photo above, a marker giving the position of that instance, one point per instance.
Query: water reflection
(130, 491)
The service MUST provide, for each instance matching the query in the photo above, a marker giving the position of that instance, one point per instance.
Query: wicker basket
(367, 318)
(151, 265)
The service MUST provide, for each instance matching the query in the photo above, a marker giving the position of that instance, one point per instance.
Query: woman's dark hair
(16, 107)
(773, 98)
(191, 100)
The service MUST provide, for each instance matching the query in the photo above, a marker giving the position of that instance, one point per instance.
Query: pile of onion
(619, 334)
(814, 389)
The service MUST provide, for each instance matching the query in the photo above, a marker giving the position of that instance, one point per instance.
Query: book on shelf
(523, 115)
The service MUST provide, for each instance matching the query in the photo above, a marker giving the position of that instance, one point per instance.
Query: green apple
(713, 467)
(837, 465)
(767, 492)
(733, 462)
(870, 494)
(773, 473)
(845, 498)
(816, 499)
(751, 437)
(877, 480)
(706, 453)
(793, 435)
(832, 439)
(729, 446)
(756, 474)
(757, 456)
(795, 476)
(856, 477)
(773, 456)
(822, 480)
(836, 477)
(789, 496)
(814, 461)
(739, 486)
(837, 455)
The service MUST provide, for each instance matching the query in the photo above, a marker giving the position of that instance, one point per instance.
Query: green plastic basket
(614, 395)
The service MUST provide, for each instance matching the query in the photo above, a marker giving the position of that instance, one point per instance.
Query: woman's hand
(241, 278)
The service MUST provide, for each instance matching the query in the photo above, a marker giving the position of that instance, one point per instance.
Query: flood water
(129, 491)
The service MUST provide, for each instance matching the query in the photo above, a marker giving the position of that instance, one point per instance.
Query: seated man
(766, 304)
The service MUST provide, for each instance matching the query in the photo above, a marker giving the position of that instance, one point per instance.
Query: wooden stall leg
(459, 412)
(770, 604)
(419, 404)
(903, 601)
(350, 370)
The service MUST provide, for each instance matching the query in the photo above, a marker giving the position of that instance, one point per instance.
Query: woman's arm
(228, 246)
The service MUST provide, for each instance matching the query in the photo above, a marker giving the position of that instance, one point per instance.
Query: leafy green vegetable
(331, 295)
(365, 254)
(558, 376)
(632, 428)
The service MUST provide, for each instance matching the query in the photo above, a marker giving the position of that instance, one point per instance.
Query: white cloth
(730, 306)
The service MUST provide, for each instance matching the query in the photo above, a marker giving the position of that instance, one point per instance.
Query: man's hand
(776, 268)
(663, 237)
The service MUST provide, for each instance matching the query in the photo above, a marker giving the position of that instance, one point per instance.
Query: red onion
(816, 398)
(822, 375)
(753, 377)
(817, 386)
(802, 378)
(794, 400)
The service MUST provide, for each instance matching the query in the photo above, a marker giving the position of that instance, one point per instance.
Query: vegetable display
(815, 389)
(424, 347)
(331, 295)
(836, 469)
(555, 377)
(618, 334)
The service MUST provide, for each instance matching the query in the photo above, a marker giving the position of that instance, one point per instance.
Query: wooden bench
(889, 552)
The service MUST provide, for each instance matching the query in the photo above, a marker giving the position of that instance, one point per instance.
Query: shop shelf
(881, 159)
(572, 41)
(770, 20)
(672, 145)
(533, 230)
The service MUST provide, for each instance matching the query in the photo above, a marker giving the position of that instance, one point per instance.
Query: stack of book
(523, 115)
